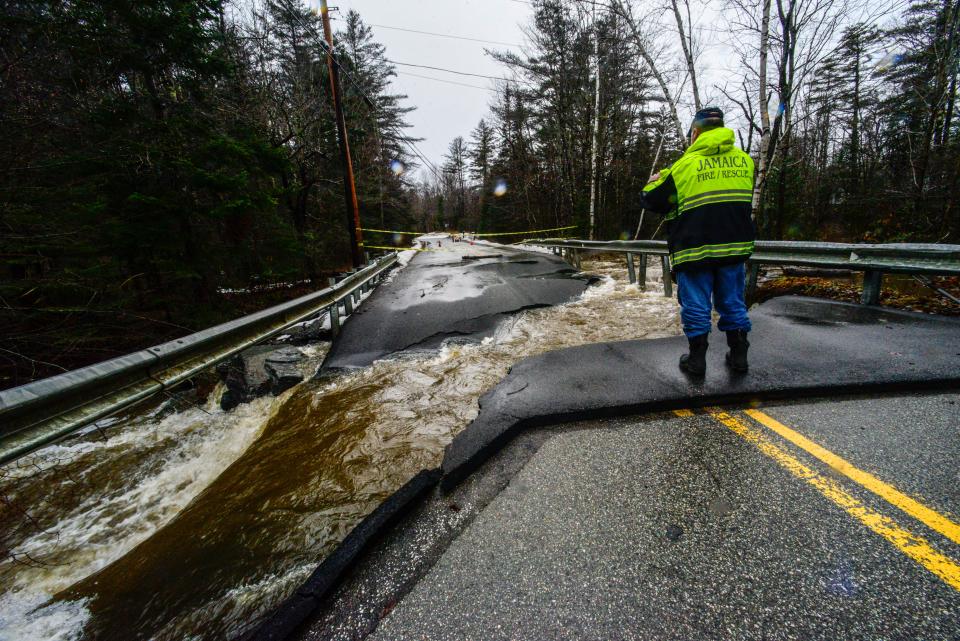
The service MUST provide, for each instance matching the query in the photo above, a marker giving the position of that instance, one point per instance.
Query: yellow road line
(683, 413)
(912, 545)
(929, 517)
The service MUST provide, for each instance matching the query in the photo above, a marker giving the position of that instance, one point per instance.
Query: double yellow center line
(912, 545)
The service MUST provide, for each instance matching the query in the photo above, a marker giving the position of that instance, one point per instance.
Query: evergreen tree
(455, 175)
(480, 152)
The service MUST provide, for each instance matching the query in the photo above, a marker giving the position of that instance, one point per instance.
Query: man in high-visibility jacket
(706, 196)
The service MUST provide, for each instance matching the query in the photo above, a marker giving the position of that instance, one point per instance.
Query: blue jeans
(725, 284)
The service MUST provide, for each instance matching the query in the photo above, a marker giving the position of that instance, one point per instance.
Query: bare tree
(596, 123)
(686, 43)
(761, 174)
(642, 43)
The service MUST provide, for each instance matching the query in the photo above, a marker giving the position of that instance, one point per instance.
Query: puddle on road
(235, 509)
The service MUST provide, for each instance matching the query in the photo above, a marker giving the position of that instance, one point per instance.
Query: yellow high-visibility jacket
(706, 196)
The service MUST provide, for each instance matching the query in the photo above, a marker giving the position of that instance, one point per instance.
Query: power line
(449, 82)
(459, 73)
(400, 136)
(433, 168)
(366, 98)
(445, 35)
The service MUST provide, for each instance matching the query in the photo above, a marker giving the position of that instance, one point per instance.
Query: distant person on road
(706, 196)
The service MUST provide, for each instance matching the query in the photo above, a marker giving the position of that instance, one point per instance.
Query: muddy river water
(193, 524)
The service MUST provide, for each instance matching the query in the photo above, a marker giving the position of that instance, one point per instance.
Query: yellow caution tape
(392, 231)
(500, 233)
(517, 233)
(401, 249)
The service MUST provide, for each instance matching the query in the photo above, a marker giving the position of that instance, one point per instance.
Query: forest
(160, 156)
(159, 153)
(856, 140)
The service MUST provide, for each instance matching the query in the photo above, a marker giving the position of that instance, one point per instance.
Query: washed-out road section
(454, 289)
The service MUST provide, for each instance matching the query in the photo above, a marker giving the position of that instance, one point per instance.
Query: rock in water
(284, 369)
(245, 376)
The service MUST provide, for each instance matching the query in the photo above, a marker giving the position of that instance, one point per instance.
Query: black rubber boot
(738, 344)
(695, 363)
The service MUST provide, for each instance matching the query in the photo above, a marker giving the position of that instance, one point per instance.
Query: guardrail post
(334, 311)
(642, 272)
(348, 304)
(753, 273)
(631, 269)
(667, 283)
(872, 280)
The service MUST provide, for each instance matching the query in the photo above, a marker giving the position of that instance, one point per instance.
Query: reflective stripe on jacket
(706, 196)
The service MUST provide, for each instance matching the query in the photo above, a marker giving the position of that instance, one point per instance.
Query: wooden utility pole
(349, 187)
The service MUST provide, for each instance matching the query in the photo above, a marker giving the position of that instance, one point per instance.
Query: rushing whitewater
(257, 496)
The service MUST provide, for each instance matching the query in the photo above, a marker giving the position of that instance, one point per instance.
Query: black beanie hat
(707, 114)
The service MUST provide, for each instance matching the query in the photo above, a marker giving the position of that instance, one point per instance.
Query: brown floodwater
(194, 524)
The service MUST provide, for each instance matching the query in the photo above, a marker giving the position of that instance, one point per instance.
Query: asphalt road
(454, 290)
(799, 347)
(826, 519)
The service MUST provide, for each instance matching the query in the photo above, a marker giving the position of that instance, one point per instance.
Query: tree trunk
(596, 123)
(617, 6)
(687, 54)
(855, 124)
(761, 176)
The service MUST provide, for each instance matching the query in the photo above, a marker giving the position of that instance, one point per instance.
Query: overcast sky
(444, 110)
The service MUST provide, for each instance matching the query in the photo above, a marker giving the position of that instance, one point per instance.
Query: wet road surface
(799, 347)
(824, 519)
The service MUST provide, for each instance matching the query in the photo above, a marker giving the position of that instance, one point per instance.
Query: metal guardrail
(873, 260)
(43, 411)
